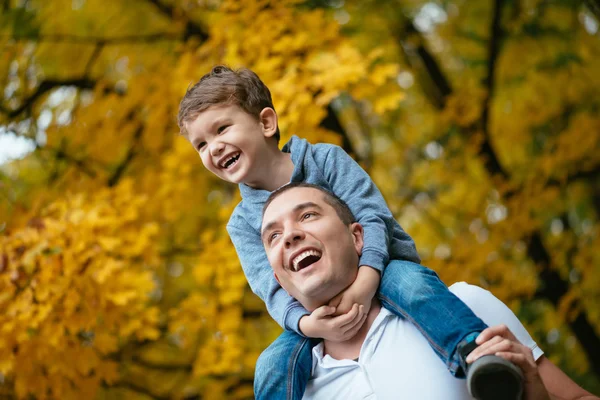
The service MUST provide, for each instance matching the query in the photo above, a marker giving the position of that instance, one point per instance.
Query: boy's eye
(201, 145)
(222, 128)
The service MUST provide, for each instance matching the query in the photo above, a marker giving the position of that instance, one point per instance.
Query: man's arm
(559, 385)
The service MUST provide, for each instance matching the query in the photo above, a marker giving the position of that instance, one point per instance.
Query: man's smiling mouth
(230, 160)
(305, 259)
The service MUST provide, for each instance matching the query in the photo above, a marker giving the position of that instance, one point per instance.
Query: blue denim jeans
(409, 290)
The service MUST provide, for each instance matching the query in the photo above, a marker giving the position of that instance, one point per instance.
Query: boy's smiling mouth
(229, 160)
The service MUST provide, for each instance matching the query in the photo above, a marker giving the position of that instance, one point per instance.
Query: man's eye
(307, 215)
(273, 236)
(222, 128)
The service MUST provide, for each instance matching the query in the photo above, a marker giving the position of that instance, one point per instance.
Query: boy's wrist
(305, 326)
(369, 276)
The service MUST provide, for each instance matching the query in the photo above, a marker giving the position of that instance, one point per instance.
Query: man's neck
(350, 349)
(276, 170)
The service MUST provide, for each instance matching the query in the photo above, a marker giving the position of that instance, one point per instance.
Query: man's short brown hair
(224, 86)
(340, 207)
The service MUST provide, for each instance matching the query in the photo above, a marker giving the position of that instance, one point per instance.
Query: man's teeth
(230, 161)
(296, 261)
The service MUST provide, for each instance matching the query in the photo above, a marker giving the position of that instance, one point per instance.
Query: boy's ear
(268, 120)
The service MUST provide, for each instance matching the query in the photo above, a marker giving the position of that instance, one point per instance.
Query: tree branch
(162, 367)
(492, 163)
(433, 80)
(120, 169)
(43, 88)
(67, 38)
(594, 7)
(591, 175)
(97, 50)
(192, 29)
(136, 388)
(60, 154)
(553, 287)
(332, 122)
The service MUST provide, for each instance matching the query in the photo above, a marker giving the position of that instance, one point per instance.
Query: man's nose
(293, 236)
(216, 147)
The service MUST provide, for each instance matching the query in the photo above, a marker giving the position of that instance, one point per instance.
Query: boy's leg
(416, 294)
(283, 369)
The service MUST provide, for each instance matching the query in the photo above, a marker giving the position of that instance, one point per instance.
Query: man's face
(313, 253)
(230, 142)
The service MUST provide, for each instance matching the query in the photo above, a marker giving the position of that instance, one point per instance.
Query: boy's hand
(322, 324)
(361, 291)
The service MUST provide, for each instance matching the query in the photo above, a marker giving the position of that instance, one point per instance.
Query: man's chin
(316, 293)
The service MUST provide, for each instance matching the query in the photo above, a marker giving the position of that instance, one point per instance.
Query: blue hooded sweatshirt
(330, 167)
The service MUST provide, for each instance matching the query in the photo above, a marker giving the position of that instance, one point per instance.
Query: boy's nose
(216, 148)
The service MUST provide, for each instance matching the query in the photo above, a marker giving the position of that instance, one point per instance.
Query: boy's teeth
(234, 157)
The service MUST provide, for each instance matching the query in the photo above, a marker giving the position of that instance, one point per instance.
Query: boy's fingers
(323, 311)
(347, 318)
(351, 328)
(344, 306)
(336, 300)
(354, 329)
(356, 311)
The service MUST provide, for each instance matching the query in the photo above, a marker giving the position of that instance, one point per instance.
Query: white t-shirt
(396, 362)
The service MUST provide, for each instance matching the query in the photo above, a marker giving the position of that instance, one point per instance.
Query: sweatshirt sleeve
(353, 185)
(283, 308)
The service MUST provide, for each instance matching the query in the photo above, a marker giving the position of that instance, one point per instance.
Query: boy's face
(231, 142)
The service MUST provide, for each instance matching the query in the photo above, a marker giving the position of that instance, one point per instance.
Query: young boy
(229, 118)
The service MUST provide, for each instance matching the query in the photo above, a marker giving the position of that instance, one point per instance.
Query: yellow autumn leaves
(75, 284)
(116, 273)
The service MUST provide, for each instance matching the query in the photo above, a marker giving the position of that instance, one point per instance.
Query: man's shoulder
(470, 293)
(466, 289)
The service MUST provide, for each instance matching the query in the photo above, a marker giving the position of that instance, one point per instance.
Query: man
(313, 245)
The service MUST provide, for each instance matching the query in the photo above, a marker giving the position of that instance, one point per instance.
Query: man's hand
(361, 291)
(323, 324)
(500, 341)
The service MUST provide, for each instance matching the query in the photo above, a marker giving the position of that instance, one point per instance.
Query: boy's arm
(355, 187)
(352, 184)
(283, 308)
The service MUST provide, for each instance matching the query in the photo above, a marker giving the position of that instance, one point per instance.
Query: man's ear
(268, 120)
(357, 232)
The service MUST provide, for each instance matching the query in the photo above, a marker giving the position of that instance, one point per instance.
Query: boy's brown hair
(224, 86)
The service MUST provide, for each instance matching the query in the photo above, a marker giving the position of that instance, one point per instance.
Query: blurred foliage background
(479, 121)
